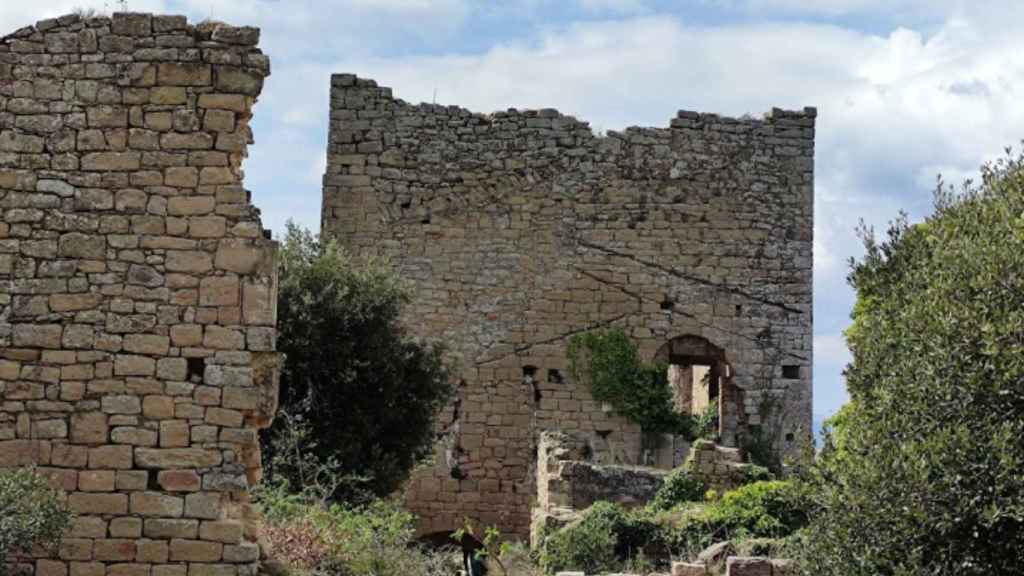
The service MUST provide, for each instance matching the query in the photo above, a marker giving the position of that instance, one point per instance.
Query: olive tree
(924, 471)
(359, 394)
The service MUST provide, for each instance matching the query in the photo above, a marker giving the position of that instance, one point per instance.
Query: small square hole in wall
(196, 367)
(791, 371)
(790, 437)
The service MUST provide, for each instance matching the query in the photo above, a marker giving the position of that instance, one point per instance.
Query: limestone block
(98, 503)
(110, 457)
(96, 480)
(156, 504)
(744, 566)
(688, 569)
(195, 551)
(174, 433)
(125, 527)
(114, 550)
(37, 336)
(205, 505)
(173, 458)
(219, 291)
(184, 74)
(163, 528)
(151, 344)
(179, 480)
(226, 531)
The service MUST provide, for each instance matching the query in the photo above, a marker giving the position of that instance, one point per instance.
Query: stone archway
(700, 374)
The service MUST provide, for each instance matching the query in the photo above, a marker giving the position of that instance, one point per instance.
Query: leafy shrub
(763, 509)
(706, 425)
(33, 514)
(679, 487)
(758, 450)
(922, 475)
(371, 540)
(599, 541)
(760, 510)
(608, 537)
(754, 473)
(366, 393)
(610, 363)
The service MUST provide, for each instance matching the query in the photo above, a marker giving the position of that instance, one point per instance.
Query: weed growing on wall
(609, 362)
(33, 515)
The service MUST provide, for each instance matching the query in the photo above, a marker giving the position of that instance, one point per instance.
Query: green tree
(923, 474)
(31, 514)
(361, 395)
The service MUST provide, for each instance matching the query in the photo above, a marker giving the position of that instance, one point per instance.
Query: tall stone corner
(137, 289)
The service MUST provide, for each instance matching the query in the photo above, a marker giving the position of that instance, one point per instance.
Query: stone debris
(137, 289)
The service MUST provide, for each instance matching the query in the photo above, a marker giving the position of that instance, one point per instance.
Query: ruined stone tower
(522, 228)
(137, 289)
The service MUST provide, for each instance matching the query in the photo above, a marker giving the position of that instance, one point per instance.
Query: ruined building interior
(521, 228)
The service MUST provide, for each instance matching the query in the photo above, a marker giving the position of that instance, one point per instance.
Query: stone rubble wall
(570, 479)
(522, 228)
(719, 467)
(137, 289)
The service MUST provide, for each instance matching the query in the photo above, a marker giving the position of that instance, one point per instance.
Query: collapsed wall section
(522, 228)
(137, 288)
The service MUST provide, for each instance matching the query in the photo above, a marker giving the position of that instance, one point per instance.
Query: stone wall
(137, 288)
(720, 468)
(522, 228)
(571, 477)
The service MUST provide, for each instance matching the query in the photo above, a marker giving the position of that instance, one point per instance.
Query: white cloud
(894, 107)
(615, 6)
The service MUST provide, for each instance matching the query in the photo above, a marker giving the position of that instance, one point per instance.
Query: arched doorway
(701, 379)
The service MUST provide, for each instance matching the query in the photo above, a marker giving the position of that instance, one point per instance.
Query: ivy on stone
(609, 362)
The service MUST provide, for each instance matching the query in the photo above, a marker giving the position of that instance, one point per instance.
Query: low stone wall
(720, 468)
(571, 476)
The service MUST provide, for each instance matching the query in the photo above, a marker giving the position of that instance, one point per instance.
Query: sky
(905, 90)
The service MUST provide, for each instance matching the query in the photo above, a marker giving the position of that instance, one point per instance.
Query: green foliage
(362, 395)
(375, 539)
(610, 363)
(706, 425)
(758, 450)
(599, 541)
(33, 514)
(609, 538)
(679, 487)
(754, 473)
(921, 474)
(490, 542)
(772, 509)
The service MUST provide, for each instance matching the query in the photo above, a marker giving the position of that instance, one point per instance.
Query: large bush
(923, 472)
(361, 394)
(33, 514)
